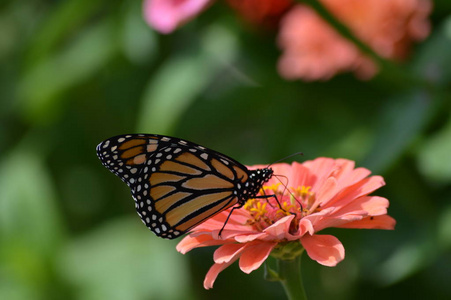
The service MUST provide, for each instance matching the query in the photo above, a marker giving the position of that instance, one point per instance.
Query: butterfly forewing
(177, 184)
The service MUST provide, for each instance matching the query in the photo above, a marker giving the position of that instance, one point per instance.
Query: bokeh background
(75, 72)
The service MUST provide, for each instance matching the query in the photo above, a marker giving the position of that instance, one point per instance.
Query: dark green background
(76, 72)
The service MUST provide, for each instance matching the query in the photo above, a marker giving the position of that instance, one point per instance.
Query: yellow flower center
(290, 201)
(306, 197)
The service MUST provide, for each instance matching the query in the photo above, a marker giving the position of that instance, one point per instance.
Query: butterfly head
(254, 183)
(263, 175)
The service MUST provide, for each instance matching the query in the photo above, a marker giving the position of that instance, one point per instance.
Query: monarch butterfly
(177, 184)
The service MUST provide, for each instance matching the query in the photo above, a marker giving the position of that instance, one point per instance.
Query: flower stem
(291, 278)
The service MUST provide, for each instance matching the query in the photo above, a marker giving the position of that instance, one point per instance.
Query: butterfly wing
(176, 184)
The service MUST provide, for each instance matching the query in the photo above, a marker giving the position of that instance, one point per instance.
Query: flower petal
(190, 242)
(306, 226)
(315, 222)
(227, 252)
(326, 192)
(320, 169)
(245, 238)
(254, 255)
(298, 174)
(376, 222)
(213, 273)
(166, 15)
(325, 249)
(343, 168)
(354, 176)
(362, 188)
(373, 205)
(231, 234)
(280, 229)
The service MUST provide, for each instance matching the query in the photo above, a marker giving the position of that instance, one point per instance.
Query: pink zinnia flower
(313, 50)
(319, 194)
(166, 15)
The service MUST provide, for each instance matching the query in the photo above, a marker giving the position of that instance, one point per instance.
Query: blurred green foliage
(76, 72)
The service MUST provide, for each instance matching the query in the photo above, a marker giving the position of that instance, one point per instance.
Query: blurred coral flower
(167, 15)
(321, 193)
(312, 50)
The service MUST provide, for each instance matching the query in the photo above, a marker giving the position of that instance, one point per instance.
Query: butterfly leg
(233, 208)
(277, 200)
(269, 196)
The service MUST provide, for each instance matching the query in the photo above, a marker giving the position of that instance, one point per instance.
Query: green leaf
(402, 120)
(124, 260)
(433, 61)
(41, 87)
(182, 79)
(30, 228)
(58, 25)
(28, 211)
(434, 156)
(444, 229)
(138, 40)
(406, 261)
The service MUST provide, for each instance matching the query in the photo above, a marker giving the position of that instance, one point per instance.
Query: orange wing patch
(223, 169)
(170, 166)
(157, 178)
(175, 215)
(241, 173)
(209, 181)
(163, 204)
(193, 160)
(132, 152)
(227, 203)
(132, 143)
(161, 191)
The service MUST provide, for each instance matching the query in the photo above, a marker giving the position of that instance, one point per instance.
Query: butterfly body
(177, 184)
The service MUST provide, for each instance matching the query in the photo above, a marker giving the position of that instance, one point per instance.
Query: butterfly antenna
(285, 158)
(287, 189)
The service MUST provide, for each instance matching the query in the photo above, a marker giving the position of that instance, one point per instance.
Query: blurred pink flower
(312, 50)
(322, 193)
(166, 15)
